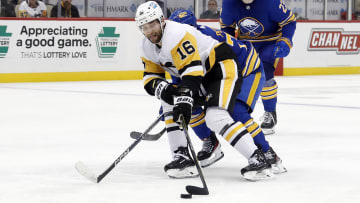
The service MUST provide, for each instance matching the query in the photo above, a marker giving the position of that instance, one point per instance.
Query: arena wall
(88, 49)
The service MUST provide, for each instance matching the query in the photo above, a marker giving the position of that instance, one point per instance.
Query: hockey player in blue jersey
(253, 81)
(270, 26)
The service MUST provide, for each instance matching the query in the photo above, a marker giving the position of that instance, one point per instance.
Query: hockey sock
(269, 95)
(241, 114)
(176, 137)
(197, 123)
(237, 135)
(257, 134)
(220, 121)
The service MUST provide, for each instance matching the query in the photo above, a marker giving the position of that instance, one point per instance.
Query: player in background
(254, 79)
(32, 9)
(204, 65)
(270, 26)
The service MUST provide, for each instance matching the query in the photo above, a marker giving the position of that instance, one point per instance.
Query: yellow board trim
(70, 76)
(321, 71)
(138, 75)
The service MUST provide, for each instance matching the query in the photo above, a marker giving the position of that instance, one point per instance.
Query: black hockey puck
(186, 196)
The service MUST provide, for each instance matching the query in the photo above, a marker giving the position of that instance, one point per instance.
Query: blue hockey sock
(269, 95)
(241, 114)
(197, 123)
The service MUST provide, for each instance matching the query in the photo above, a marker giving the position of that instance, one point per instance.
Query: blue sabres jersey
(245, 52)
(260, 21)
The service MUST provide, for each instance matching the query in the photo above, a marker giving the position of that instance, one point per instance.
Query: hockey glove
(281, 49)
(165, 92)
(183, 105)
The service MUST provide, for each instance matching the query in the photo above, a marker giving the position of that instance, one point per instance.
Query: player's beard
(155, 37)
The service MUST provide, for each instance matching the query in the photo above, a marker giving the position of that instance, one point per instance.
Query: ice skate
(275, 162)
(258, 168)
(211, 151)
(182, 166)
(269, 122)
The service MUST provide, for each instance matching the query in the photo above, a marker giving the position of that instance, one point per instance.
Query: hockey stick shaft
(127, 151)
(193, 189)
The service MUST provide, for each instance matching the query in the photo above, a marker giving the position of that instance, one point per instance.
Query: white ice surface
(46, 127)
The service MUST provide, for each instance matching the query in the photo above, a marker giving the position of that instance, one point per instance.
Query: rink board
(108, 49)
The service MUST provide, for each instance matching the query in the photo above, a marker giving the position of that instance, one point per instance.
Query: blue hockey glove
(281, 49)
(183, 105)
(165, 92)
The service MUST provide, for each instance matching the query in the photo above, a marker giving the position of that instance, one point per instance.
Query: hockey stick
(148, 137)
(194, 190)
(87, 173)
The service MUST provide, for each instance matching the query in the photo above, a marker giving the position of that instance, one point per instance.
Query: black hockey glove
(165, 92)
(183, 105)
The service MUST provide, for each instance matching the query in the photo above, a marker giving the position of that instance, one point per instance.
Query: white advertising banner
(68, 46)
(74, 46)
(325, 45)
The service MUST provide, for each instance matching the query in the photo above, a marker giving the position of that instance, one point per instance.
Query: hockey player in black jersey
(204, 65)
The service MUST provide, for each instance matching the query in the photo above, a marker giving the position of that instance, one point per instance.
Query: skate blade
(268, 131)
(213, 159)
(278, 168)
(189, 172)
(265, 174)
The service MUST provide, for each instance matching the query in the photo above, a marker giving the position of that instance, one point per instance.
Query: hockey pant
(222, 85)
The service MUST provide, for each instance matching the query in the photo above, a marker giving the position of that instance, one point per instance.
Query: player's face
(247, 1)
(152, 31)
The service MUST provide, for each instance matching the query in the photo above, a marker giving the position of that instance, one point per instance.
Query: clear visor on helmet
(150, 27)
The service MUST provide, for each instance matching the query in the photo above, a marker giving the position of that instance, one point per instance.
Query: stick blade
(196, 190)
(148, 137)
(86, 172)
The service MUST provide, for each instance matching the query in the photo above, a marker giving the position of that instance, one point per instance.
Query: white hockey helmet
(148, 12)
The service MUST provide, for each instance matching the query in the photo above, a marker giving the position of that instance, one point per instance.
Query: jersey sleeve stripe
(249, 61)
(286, 40)
(289, 19)
(148, 78)
(193, 71)
(189, 66)
(152, 67)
